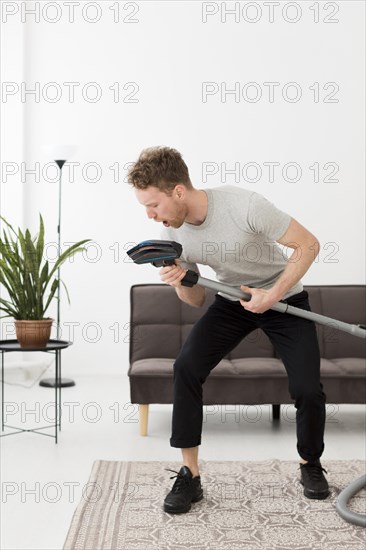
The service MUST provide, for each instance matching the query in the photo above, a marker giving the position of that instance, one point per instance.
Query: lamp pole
(60, 164)
(64, 382)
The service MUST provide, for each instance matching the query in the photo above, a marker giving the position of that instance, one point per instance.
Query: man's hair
(161, 167)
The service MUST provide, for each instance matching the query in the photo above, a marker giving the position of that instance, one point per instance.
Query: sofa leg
(276, 412)
(144, 414)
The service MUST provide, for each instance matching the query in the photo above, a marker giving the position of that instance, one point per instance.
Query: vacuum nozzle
(155, 252)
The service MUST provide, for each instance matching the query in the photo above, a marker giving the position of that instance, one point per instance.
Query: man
(237, 233)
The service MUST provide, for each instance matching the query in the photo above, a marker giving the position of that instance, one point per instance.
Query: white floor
(42, 482)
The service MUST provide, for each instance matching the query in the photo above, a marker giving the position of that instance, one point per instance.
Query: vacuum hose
(345, 496)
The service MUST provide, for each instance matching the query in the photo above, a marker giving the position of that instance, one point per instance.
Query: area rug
(246, 506)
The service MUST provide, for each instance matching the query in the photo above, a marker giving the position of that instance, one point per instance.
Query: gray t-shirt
(237, 239)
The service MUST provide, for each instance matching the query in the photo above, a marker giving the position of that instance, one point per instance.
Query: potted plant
(30, 281)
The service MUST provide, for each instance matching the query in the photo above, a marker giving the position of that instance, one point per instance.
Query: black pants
(218, 331)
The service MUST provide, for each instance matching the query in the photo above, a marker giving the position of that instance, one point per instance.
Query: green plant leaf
(54, 287)
(23, 275)
(8, 307)
(40, 242)
(71, 251)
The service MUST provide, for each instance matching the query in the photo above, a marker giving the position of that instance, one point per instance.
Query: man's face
(169, 210)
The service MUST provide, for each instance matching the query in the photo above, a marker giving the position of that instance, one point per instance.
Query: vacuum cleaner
(161, 253)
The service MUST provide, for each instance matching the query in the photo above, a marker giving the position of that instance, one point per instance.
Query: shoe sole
(313, 494)
(170, 510)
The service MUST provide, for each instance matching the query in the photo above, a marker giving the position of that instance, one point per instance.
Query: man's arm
(306, 248)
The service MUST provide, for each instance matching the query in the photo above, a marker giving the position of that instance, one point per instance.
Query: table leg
(2, 390)
(59, 393)
(56, 382)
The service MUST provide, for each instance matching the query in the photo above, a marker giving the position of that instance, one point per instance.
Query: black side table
(53, 346)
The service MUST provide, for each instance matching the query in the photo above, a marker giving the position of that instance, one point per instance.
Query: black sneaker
(313, 480)
(186, 489)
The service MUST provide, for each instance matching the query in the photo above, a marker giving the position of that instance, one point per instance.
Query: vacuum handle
(190, 279)
(163, 263)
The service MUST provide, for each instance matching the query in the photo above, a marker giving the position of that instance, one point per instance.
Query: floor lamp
(60, 154)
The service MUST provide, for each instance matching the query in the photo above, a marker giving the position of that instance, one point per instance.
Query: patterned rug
(246, 506)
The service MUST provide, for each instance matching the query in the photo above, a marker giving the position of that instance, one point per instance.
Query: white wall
(12, 121)
(167, 52)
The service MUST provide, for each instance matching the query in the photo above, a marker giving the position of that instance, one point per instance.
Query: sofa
(251, 374)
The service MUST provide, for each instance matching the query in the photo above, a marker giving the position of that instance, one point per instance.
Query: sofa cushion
(252, 367)
(263, 380)
(158, 366)
(344, 366)
(237, 368)
(255, 367)
(147, 340)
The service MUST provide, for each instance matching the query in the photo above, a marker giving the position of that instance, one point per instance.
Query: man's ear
(179, 190)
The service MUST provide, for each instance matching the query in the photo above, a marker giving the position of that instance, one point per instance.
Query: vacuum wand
(282, 307)
(163, 253)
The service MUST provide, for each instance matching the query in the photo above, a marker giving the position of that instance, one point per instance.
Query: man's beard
(178, 220)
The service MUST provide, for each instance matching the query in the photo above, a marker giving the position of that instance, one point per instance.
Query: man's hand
(261, 299)
(172, 274)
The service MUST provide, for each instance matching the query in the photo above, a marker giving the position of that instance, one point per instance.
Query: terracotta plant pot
(33, 334)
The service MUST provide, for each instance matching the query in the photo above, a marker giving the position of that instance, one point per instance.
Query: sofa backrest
(345, 303)
(161, 322)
